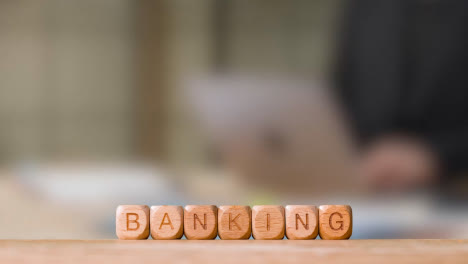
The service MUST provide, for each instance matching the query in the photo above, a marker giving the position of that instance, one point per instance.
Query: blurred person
(401, 75)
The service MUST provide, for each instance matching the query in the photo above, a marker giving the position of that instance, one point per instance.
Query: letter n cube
(200, 222)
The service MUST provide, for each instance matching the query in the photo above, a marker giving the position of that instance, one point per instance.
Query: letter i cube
(268, 222)
(132, 222)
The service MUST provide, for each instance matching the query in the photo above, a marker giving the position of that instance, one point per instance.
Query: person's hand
(398, 163)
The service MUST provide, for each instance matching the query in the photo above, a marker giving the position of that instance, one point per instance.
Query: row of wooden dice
(234, 222)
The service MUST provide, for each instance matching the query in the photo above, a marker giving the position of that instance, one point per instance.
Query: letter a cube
(167, 222)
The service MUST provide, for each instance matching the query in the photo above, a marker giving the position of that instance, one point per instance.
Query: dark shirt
(403, 68)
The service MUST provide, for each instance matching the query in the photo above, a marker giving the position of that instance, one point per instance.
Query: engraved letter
(233, 221)
(195, 218)
(168, 221)
(338, 222)
(306, 225)
(268, 222)
(132, 221)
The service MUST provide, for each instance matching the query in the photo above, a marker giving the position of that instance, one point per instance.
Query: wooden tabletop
(224, 251)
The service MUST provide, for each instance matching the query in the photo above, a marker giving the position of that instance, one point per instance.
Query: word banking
(232, 222)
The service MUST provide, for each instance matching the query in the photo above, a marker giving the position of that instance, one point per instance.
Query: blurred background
(233, 102)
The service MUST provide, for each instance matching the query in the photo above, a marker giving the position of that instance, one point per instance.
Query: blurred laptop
(279, 134)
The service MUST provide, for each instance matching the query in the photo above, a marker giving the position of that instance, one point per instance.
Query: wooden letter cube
(301, 222)
(200, 221)
(132, 222)
(167, 222)
(268, 222)
(335, 221)
(234, 222)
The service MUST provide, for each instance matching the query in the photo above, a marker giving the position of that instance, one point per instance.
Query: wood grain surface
(233, 251)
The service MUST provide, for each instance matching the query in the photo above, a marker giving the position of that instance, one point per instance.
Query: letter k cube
(234, 222)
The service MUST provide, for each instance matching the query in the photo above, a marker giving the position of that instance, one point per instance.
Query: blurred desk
(223, 251)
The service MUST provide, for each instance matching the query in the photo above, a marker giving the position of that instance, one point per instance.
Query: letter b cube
(132, 222)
